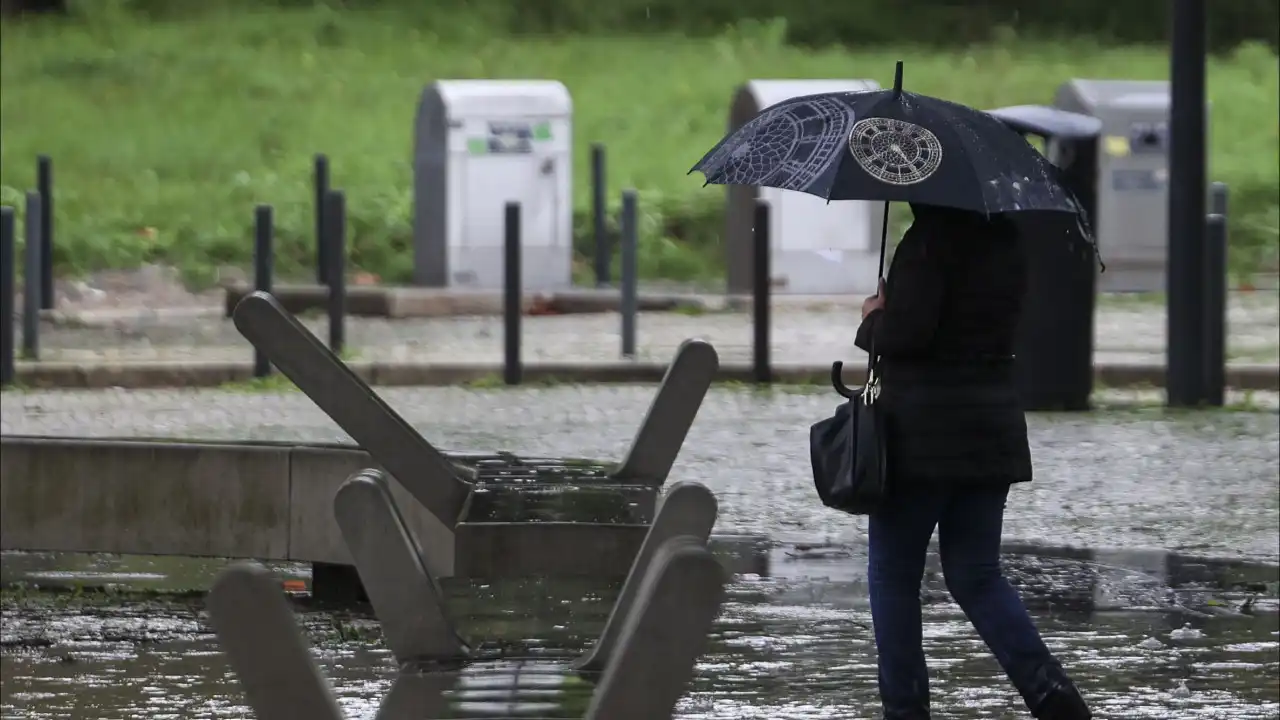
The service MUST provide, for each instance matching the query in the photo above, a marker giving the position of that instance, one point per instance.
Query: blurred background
(168, 119)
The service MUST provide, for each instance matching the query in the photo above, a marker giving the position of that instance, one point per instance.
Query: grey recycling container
(1054, 364)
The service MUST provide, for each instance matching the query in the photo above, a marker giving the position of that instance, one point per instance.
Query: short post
(335, 236)
(31, 281)
(44, 186)
(320, 177)
(598, 211)
(1215, 311)
(760, 292)
(512, 371)
(1218, 198)
(263, 265)
(628, 281)
(8, 276)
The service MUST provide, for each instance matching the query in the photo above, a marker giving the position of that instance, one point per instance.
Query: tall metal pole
(1187, 190)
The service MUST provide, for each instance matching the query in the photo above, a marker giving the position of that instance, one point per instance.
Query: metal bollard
(335, 236)
(31, 281)
(628, 271)
(512, 370)
(1186, 204)
(1218, 196)
(8, 276)
(598, 210)
(320, 181)
(44, 186)
(263, 267)
(1214, 317)
(1216, 285)
(760, 296)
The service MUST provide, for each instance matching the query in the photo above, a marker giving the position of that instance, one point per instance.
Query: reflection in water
(792, 647)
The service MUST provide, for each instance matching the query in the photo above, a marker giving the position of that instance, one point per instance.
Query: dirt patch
(148, 287)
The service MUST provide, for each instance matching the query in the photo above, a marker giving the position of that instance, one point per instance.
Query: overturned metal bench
(643, 660)
(407, 599)
(609, 507)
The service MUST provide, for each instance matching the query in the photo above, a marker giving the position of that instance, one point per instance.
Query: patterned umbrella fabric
(889, 145)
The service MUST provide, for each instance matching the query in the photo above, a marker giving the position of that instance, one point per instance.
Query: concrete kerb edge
(189, 374)
(413, 302)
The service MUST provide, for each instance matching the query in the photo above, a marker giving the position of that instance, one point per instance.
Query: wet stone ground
(1195, 482)
(795, 646)
(1144, 643)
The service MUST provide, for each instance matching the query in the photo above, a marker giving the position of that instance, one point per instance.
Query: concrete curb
(200, 373)
(414, 302)
(270, 501)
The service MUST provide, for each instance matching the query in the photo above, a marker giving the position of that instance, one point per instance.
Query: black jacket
(945, 339)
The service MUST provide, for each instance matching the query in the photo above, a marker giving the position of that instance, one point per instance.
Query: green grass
(164, 135)
(273, 383)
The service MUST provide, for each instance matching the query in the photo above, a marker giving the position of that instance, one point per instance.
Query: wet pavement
(795, 646)
(1144, 642)
(1194, 482)
(1127, 331)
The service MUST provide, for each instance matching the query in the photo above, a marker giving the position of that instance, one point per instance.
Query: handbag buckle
(871, 391)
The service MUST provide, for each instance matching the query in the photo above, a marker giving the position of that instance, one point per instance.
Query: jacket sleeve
(913, 302)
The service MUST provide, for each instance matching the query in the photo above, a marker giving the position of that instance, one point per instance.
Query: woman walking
(944, 327)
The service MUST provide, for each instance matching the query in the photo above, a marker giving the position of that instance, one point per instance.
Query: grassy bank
(164, 135)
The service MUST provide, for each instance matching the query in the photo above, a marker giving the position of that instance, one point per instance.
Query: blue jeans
(969, 522)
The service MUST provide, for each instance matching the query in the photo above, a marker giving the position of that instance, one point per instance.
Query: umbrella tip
(897, 79)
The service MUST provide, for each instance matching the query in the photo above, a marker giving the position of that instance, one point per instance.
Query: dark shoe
(1057, 697)
(907, 714)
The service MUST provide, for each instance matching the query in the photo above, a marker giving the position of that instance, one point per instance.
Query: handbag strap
(872, 358)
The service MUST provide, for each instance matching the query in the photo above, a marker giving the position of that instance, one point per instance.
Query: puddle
(795, 646)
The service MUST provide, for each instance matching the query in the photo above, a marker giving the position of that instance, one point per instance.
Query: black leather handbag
(847, 450)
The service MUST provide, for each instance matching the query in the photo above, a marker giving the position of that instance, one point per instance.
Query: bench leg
(415, 463)
(663, 636)
(671, 414)
(264, 647)
(404, 596)
(688, 509)
(417, 696)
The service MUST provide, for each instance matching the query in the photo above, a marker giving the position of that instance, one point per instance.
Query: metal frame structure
(427, 473)
(655, 632)
(643, 659)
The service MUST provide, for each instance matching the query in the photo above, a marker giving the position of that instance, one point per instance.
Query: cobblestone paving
(1195, 482)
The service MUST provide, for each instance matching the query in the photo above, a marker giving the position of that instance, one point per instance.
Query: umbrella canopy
(889, 145)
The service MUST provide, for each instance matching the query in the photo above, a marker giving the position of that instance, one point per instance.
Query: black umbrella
(889, 145)
(894, 146)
